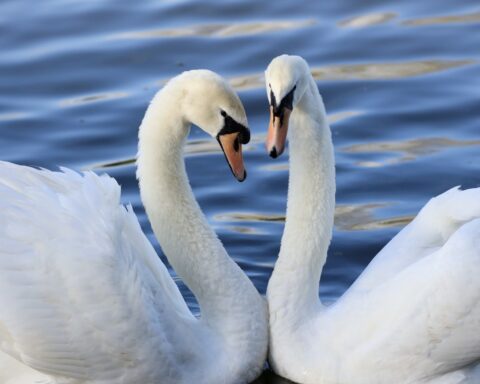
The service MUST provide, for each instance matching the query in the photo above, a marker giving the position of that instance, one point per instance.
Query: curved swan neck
(191, 246)
(310, 208)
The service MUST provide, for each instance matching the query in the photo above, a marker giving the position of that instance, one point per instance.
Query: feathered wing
(428, 232)
(427, 314)
(419, 299)
(82, 291)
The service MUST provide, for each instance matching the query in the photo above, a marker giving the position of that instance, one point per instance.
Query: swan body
(84, 297)
(413, 316)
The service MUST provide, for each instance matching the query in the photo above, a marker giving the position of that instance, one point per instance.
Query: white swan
(84, 297)
(414, 314)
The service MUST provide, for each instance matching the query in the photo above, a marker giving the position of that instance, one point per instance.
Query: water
(400, 81)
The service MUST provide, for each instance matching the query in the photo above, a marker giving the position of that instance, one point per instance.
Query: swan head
(286, 83)
(210, 103)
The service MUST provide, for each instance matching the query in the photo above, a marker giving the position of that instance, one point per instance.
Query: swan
(413, 316)
(84, 297)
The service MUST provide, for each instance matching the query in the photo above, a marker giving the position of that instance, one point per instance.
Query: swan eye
(223, 113)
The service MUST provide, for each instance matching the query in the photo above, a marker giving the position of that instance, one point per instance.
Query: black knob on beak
(273, 153)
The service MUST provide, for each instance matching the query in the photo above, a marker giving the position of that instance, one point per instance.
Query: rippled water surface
(401, 83)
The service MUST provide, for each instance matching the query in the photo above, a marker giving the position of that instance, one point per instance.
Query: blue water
(401, 83)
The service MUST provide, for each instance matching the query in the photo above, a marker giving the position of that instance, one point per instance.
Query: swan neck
(190, 245)
(310, 209)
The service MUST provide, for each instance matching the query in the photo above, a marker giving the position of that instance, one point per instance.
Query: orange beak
(277, 133)
(232, 148)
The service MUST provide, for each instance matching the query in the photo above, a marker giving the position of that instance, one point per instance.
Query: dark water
(401, 81)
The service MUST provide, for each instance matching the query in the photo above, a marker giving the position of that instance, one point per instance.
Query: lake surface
(401, 83)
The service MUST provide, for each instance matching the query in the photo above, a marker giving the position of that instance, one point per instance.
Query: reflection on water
(218, 30)
(340, 116)
(248, 217)
(408, 150)
(370, 71)
(452, 19)
(372, 19)
(376, 71)
(244, 230)
(367, 20)
(93, 98)
(361, 218)
(12, 116)
(209, 146)
(192, 148)
(348, 217)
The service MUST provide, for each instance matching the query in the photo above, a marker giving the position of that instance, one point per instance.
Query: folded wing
(82, 291)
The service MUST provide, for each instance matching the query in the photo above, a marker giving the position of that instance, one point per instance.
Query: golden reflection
(381, 71)
(244, 230)
(93, 98)
(408, 150)
(370, 71)
(452, 19)
(348, 217)
(360, 217)
(218, 30)
(362, 21)
(248, 217)
(193, 147)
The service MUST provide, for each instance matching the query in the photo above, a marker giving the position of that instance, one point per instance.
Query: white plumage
(84, 297)
(413, 316)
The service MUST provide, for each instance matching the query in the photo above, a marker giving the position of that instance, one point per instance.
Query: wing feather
(439, 219)
(82, 291)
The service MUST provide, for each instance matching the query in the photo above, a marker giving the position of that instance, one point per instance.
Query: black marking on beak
(231, 126)
(244, 176)
(273, 153)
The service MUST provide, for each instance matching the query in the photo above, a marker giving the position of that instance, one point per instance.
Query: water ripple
(408, 150)
(209, 146)
(348, 217)
(362, 21)
(370, 71)
(217, 30)
(451, 19)
(107, 96)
